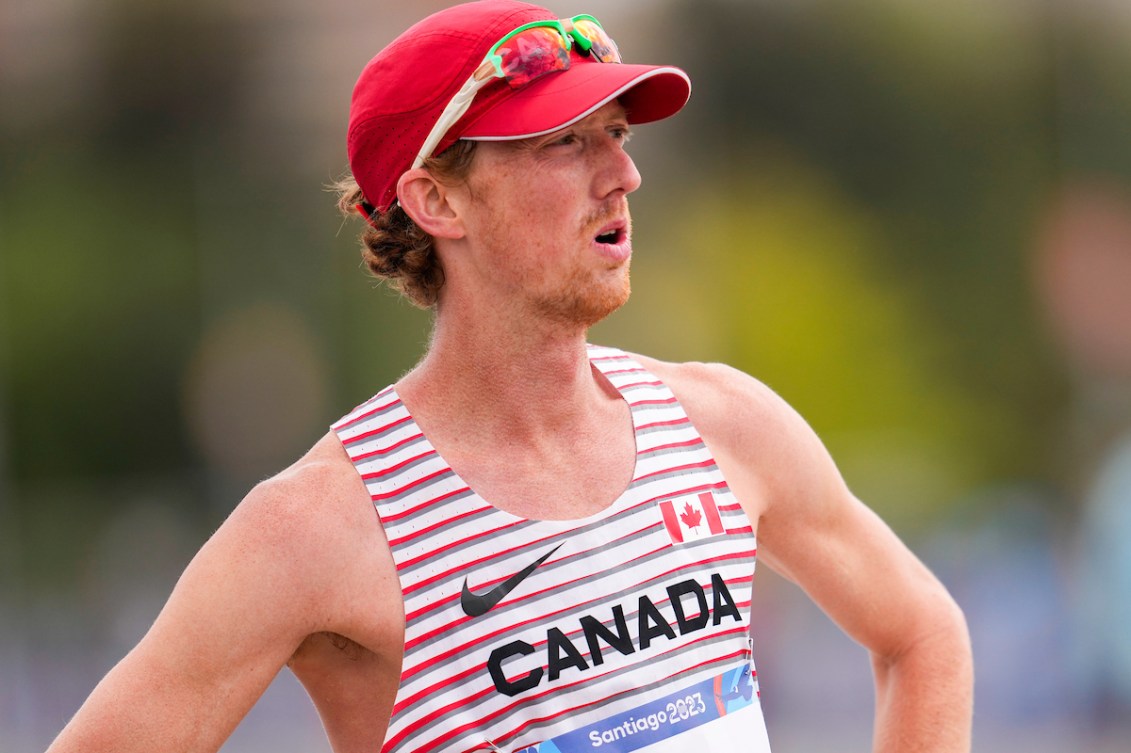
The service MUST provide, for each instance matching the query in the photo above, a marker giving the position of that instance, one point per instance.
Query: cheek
(536, 218)
(537, 208)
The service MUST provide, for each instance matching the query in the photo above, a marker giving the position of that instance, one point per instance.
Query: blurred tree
(101, 282)
(941, 125)
(786, 284)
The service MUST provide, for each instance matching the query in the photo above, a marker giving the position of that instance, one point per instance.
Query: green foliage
(782, 279)
(99, 293)
(860, 191)
(845, 210)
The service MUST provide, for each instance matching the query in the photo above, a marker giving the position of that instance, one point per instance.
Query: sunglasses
(524, 55)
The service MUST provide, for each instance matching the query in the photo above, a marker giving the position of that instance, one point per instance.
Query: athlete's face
(549, 218)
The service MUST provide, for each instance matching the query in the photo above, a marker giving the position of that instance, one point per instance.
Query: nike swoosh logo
(476, 604)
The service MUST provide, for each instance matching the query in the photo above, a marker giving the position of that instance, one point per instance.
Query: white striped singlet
(622, 631)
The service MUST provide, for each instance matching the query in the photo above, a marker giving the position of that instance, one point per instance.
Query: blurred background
(913, 220)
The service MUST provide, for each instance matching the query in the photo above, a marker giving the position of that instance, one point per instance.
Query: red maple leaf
(690, 516)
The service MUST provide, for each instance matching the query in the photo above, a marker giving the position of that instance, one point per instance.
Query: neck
(518, 379)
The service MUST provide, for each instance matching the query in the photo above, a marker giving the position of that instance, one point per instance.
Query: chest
(566, 479)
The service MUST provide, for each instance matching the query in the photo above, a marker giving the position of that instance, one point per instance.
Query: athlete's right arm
(264, 581)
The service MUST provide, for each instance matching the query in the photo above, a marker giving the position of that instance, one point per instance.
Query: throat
(542, 436)
(534, 468)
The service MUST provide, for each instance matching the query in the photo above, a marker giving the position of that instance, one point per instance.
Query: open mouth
(611, 236)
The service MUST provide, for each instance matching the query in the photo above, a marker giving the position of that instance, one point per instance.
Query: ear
(425, 200)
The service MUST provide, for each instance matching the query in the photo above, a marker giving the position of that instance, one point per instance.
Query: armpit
(318, 644)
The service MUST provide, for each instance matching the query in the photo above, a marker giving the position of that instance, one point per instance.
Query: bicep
(857, 571)
(816, 533)
(810, 527)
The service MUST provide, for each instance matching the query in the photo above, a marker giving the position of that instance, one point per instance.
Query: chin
(586, 304)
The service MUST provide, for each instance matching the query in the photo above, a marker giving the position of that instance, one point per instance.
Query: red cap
(402, 91)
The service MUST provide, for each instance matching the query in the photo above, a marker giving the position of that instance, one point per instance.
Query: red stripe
(676, 469)
(675, 422)
(665, 401)
(394, 543)
(386, 450)
(393, 517)
(673, 445)
(394, 468)
(714, 523)
(611, 372)
(632, 385)
(375, 432)
(667, 509)
(717, 485)
(741, 652)
(437, 687)
(346, 421)
(391, 743)
(402, 489)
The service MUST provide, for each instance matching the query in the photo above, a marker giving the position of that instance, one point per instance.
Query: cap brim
(556, 101)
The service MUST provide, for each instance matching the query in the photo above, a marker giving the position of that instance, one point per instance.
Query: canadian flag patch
(691, 518)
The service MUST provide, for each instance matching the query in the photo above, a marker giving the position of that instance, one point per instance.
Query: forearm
(924, 695)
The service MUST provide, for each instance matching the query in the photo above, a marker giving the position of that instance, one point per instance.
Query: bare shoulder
(302, 553)
(319, 495)
(765, 449)
(727, 406)
(314, 525)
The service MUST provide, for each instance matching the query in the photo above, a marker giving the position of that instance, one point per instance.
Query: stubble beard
(586, 297)
(582, 301)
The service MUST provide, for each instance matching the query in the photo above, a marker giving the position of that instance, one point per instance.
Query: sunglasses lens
(602, 48)
(533, 53)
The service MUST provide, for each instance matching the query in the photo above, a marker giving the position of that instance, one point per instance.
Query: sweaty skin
(300, 574)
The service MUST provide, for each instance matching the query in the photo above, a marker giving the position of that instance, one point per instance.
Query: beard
(583, 301)
(585, 297)
(579, 295)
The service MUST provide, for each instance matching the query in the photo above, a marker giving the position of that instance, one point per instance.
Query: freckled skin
(301, 575)
(539, 207)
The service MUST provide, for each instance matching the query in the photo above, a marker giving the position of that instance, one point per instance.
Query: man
(564, 536)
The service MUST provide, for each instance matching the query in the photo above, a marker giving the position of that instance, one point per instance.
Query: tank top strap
(622, 370)
(660, 422)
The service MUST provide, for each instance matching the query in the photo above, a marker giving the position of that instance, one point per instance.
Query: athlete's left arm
(812, 530)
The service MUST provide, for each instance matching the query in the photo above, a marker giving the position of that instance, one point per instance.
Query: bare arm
(257, 588)
(812, 530)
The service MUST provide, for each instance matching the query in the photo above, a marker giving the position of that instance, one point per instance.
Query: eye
(621, 134)
(565, 139)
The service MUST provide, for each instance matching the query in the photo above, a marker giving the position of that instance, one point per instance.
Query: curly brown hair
(394, 247)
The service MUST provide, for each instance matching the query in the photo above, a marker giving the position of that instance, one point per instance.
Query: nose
(617, 171)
